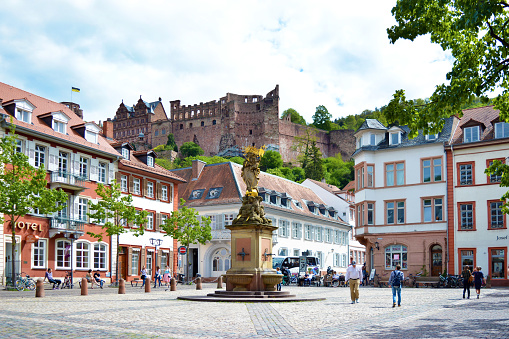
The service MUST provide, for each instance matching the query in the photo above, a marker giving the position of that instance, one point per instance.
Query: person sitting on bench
(56, 282)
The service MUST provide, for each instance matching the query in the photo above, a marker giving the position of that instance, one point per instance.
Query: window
(466, 216)
(135, 260)
(99, 256)
(369, 173)
(62, 162)
(337, 237)
(395, 173)
(136, 186)
(84, 167)
(164, 192)
(150, 189)
(63, 255)
(150, 221)
(308, 232)
(371, 213)
(125, 153)
(431, 169)
(318, 233)
(336, 260)
(82, 254)
(102, 172)
(150, 161)
(63, 212)
(497, 263)
(372, 140)
(467, 258)
(59, 126)
(493, 178)
(283, 228)
(396, 255)
(471, 134)
(39, 254)
(296, 230)
(23, 115)
(123, 183)
(149, 263)
(91, 136)
(432, 209)
(228, 219)
(283, 252)
(156, 133)
(496, 216)
(431, 137)
(501, 130)
(466, 173)
(328, 235)
(82, 209)
(395, 209)
(40, 155)
(394, 138)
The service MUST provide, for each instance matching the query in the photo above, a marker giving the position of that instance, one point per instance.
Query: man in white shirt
(354, 277)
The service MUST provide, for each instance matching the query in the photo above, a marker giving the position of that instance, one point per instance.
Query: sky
(331, 53)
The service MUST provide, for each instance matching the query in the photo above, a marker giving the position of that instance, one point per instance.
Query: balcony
(66, 226)
(221, 235)
(67, 180)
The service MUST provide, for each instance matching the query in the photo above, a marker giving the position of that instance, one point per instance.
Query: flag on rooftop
(75, 89)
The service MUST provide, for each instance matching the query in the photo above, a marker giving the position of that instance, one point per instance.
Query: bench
(427, 281)
(134, 283)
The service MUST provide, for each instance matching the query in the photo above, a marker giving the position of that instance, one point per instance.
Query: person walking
(395, 282)
(143, 275)
(364, 275)
(157, 276)
(278, 271)
(354, 276)
(478, 280)
(466, 274)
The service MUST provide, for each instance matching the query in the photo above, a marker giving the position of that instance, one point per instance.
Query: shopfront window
(135, 260)
(164, 259)
(497, 263)
(63, 254)
(150, 256)
(396, 255)
(467, 258)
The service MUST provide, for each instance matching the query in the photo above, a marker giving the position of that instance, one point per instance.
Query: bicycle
(67, 281)
(26, 282)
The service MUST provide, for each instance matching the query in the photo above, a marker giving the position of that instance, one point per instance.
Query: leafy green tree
(166, 163)
(322, 118)
(117, 212)
(171, 142)
(314, 167)
(270, 159)
(302, 144)
(338, 172)
(298, 174)
(185, 226)
(500, 169)
(294, 116)
(237, 160)
(161, 148)
(190, 149)
(23, 189)
(475, 33)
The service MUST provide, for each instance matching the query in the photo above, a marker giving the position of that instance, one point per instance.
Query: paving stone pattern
(425, 313)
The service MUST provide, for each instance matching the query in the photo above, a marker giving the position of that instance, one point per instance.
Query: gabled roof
(350, 186)
(44, 106)
(371, 124)
(477, 116)
(329, 188)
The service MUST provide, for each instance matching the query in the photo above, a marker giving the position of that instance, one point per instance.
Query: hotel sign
(28, 225)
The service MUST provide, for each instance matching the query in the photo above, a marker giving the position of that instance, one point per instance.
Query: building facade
(477, 227)
(400, 197)
(305, 222)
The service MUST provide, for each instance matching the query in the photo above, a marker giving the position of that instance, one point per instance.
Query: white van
(292, 263)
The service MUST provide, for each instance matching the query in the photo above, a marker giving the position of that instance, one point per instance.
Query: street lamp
(155, 242)
(71, 237)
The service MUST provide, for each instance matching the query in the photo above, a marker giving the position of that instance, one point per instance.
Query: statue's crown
(255, 151)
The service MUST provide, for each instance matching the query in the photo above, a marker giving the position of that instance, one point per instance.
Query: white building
(305, 222)
(478, 234)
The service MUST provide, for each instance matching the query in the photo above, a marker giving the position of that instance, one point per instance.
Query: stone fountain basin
(240, 280)
(270, 280)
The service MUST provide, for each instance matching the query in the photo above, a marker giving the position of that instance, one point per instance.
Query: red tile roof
(475, 116)
(44, 106)
(350, 186)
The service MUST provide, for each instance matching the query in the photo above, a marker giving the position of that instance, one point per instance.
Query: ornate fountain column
(251, 236)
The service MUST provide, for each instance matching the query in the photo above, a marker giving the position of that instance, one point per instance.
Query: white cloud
(320, 53)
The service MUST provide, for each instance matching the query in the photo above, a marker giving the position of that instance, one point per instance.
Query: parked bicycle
(23, 283)
(67, 281)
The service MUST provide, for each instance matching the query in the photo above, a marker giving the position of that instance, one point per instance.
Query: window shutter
(142, 259)
(300, 231)
(158, 260)
(170, 193)
(112, 173)
(158, 190)
(171, 261)
(144, 193)
(53, 159)
(129, 260)
(131, 184)
(94, 163)
(118, 177)
(30, 145)
(158, 221)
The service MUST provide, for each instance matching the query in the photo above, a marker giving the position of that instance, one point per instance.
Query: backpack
(396, 281)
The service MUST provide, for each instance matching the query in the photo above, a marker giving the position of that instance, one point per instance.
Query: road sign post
(182, 250)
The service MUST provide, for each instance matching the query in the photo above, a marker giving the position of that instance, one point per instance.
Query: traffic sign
(303, 264)
(182, 250)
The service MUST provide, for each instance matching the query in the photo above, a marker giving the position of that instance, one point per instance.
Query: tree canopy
(476, 35)
(294, 116)
(270, 159)
(322, 118)
(190, 149)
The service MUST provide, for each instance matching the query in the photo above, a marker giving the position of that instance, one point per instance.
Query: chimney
(108, 129)
(198, 166)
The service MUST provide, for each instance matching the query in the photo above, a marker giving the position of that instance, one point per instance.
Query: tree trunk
(116, 264)
(13, 253)
(187, 263)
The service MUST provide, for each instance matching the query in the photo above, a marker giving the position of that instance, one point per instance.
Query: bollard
(198, 283)
(147, 285)
(39, 288)
(121, 286)
(84, 286)
(220, 282)
(173, 284)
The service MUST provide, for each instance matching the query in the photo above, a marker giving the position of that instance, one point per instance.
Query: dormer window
(394, 138)
(471, 134)
(23, 115)
(150, 161)
(273, 199)
(59, 126)
(284, 202)
(91, 136)
(431, 137)
(372, 140)
(125, 153)
(501, 130)
(359, 145)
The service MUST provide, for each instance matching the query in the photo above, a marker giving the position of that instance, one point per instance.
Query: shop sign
(31, 238)
(28, 225)
(501, 238)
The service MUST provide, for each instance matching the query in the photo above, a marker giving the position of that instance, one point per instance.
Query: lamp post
(155, 242)
(71, 237)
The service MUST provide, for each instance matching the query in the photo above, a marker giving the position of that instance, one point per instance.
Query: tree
(302, 145)
(270, 159)
(117, 212)
(184, 226)
(23, 189)
(171, 142)
(190, 149)
(322, 118)
(294, 116)
(338, 172)
(314, 167)
(475, 32)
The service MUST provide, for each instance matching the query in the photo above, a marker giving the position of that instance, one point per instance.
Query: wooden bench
(428, 281)
(134, 283)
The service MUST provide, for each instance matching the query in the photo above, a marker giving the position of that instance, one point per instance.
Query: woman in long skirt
(478, 280)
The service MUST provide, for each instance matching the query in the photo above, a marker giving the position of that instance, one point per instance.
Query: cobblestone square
(425, 313)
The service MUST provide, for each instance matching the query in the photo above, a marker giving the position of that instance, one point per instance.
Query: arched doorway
(221, 260)
(436, 260)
